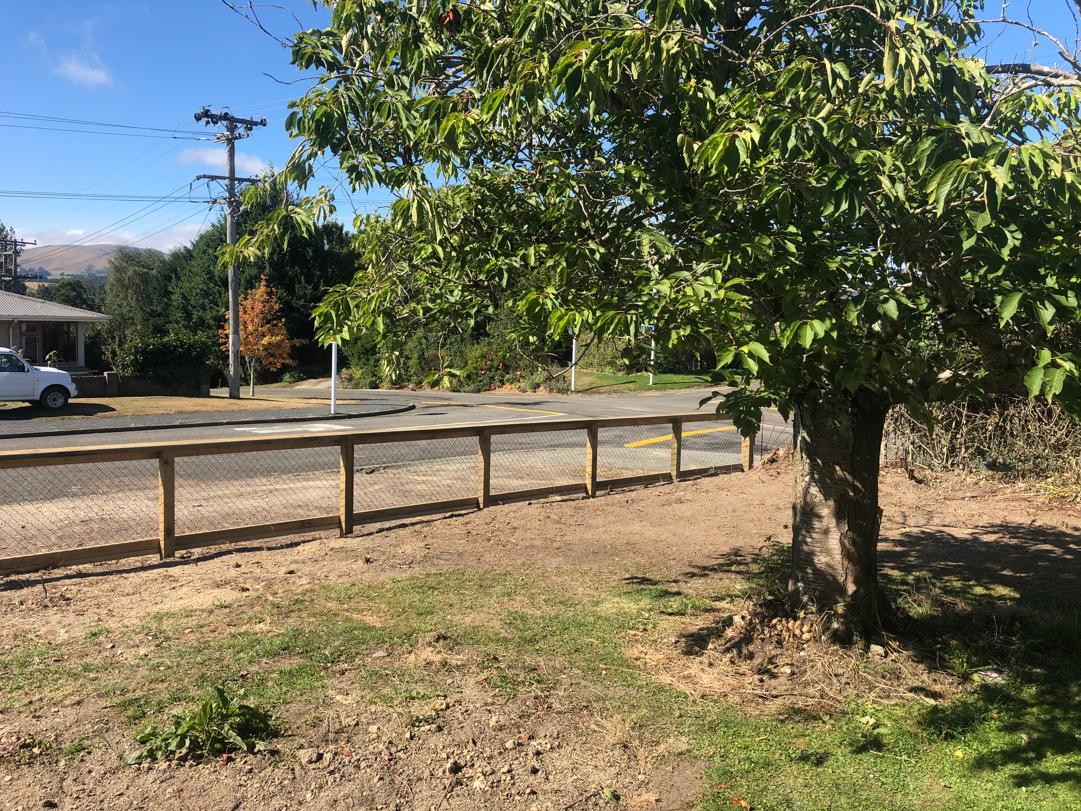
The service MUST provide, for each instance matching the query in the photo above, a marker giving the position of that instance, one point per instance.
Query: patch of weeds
(28, 750)
(75, 750)
(32, 670)
(217, 726)
(96, 632)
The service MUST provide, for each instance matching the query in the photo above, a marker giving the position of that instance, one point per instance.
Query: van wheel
(54, 398)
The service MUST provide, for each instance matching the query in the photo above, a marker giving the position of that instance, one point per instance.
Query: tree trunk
(835, 513)
(251, 380)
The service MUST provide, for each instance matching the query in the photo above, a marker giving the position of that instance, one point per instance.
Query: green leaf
(758, 350)
(1034, 380)
(806, 335)
(1007, 306)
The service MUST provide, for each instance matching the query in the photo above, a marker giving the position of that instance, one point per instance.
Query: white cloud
(215, 158)
(80, 71)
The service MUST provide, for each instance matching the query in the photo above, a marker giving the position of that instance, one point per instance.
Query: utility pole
(10, 248)
(235, 129)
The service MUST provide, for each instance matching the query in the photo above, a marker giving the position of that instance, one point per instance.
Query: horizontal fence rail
(58, 506)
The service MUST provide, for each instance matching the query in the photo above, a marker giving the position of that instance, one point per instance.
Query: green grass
(1004, 746)
(591, 382)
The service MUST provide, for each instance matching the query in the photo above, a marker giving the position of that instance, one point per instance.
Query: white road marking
(306, 428)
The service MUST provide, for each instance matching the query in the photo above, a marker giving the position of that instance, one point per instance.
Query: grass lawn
(438, 661)
(591, 382)
(1002, 747)
(145, 406)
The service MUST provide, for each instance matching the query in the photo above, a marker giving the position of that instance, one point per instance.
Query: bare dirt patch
(468, 744)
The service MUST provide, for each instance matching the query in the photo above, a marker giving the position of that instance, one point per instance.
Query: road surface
(48, 508)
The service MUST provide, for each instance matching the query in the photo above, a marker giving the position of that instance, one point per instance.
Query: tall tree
(300, 266)
(135, 298)
(74, 292)
(843, 199)
(264, 340)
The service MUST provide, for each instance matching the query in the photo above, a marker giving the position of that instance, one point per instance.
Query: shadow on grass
(998, 606)
(73, 409)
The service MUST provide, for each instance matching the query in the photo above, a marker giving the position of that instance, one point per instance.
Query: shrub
(294, 376)
(167, 359)
(218, 726)
(1022, 440)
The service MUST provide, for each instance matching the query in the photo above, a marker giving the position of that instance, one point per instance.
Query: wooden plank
(712, 470)
(167, 506)
(346, 473)
(677, 447)
(195, 540)
(20, 564)
(415, 510)
(746, 453)
(484, 468)
(635, 481)
(592, 451)
(89, 454)
(537, 493)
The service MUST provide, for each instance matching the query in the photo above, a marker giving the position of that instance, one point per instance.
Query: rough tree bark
(835, 512)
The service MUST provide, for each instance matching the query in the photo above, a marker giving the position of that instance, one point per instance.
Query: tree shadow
(33, 412)
(997, 606)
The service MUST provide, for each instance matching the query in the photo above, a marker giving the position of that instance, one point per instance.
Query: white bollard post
(574, 362)
(334, 378)
(652, 357)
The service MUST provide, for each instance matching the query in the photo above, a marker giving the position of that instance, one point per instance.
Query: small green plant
(216, 727)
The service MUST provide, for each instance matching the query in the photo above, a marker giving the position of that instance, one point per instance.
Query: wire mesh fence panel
(397, 474)
(771, 437)
(44, 509)
(249, 489)
(706, 445)
(634, 451)
(544, 459)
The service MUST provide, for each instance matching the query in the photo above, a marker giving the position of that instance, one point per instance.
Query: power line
(104, 132)
(59, 120)
(121, 198)
(100, 233)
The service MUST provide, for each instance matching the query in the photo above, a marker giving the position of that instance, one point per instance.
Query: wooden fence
(168, 542)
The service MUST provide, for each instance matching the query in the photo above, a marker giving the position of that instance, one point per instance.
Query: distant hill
(68, 260)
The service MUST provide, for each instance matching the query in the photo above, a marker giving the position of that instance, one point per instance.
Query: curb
(121, 429)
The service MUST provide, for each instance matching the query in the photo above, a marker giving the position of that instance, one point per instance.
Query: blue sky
(143, 62)
(154, 63)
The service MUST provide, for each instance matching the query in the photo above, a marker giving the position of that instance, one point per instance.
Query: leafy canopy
(836, 196)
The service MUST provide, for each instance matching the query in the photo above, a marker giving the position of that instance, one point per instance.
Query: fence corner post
(166, 506)
(592, 450)
(746, 452)
(484, 468)
(677, 448)
(346, 477)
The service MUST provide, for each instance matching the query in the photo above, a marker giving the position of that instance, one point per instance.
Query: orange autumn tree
(264, 341)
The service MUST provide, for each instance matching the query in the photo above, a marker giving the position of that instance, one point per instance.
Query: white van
(38, 385)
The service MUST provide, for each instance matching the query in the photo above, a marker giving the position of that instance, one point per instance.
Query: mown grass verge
(1011, 743)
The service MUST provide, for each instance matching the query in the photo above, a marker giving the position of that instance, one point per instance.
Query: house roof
(14, 307)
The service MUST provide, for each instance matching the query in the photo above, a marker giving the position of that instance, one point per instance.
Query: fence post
(677, 448)
(167, 506)
(746, 453)
(592, 441)
(484, 468)
(346, 475)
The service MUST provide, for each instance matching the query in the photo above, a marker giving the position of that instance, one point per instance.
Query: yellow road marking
(523, 408)
(658, 439)
(436, 402)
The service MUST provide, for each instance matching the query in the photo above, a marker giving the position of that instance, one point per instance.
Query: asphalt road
(58, 507)
(432, 408)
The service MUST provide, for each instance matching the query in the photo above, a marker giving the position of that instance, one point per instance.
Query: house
(38, 327)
